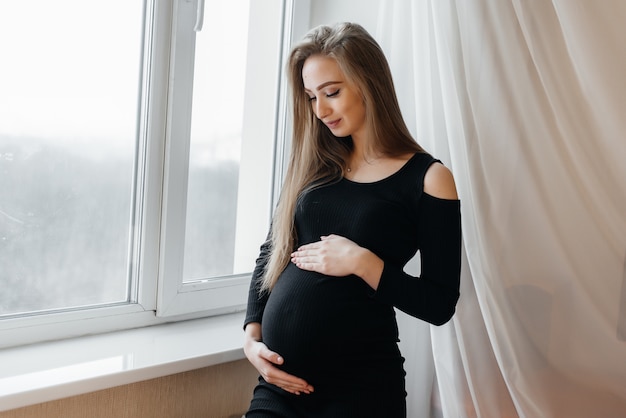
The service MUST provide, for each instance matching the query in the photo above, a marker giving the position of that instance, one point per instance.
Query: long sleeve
(431, 297)
(256, 298)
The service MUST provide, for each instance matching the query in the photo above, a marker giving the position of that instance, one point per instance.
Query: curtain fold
(524, 101)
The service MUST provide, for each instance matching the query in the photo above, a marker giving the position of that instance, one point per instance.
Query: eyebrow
(326, 84)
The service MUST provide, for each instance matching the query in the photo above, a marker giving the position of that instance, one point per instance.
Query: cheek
(355, 107)
(357, 112)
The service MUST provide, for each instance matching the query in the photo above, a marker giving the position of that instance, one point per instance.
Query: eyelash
(333, 94)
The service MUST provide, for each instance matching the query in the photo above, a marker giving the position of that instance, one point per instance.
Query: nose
(321, 109)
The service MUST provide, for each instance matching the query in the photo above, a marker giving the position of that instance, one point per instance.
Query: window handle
(199, 16)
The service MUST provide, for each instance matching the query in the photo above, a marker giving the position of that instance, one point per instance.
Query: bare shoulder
(439, 182)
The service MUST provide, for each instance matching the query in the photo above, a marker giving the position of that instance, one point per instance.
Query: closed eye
(333, 94)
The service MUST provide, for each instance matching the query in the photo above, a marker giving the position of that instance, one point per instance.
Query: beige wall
(221, 391)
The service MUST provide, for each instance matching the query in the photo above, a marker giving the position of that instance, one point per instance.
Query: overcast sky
(75, 79)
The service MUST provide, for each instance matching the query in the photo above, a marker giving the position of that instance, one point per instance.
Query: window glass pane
(217, 115)
(68, 109)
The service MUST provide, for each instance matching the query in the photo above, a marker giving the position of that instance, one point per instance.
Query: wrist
(369, 268)
(253, 332)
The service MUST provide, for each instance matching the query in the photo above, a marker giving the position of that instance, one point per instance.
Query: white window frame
(160, 294)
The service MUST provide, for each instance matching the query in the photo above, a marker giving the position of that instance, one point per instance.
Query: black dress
(339, 334)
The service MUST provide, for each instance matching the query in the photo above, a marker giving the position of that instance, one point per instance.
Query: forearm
(256, 297)
(430, 299)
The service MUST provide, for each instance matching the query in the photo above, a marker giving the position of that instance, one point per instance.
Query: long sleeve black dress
(339, 334)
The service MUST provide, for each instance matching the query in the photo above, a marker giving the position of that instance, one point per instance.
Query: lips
(333, 123)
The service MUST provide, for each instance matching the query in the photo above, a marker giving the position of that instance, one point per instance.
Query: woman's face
(334, 100)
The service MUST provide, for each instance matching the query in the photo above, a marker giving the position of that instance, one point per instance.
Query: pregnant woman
(359, 200)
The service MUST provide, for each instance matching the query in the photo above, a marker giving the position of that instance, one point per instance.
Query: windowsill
(44, 372)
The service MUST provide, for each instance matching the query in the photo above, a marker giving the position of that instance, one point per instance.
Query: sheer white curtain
(525, 100)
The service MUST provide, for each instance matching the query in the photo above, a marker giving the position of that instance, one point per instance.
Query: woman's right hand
(264, 360)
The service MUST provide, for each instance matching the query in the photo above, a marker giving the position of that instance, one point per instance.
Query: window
(215, 150)
(68, 105)
(137, 156)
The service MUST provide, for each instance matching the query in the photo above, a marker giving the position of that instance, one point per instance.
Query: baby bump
(308, 318)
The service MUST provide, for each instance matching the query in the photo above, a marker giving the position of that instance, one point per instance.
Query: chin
(340, 133)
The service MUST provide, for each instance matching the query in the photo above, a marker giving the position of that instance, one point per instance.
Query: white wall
(364, 12)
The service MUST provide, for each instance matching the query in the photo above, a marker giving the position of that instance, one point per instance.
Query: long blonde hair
(317, 156)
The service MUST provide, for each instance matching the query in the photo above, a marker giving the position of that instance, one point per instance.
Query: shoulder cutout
(439, 182)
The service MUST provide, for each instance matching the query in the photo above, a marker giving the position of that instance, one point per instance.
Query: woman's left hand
(338, 256)
(333, 255)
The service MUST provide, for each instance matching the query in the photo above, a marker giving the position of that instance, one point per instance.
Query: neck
(360, 152)
(359, 157)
